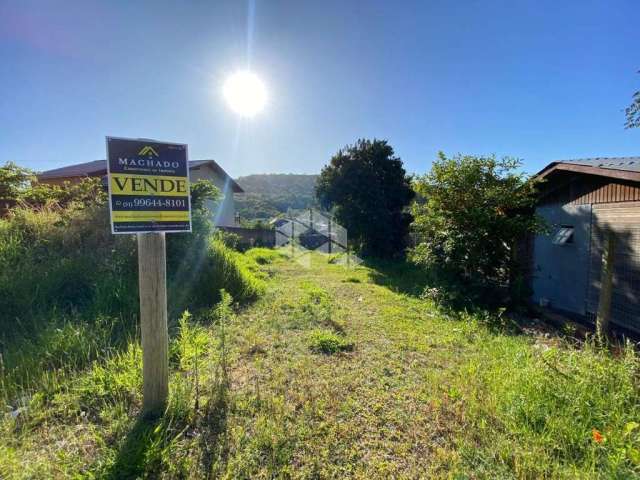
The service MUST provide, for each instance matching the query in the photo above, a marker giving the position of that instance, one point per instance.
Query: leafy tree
(14, 180)
(201, 191)
(470, 214)
(368, 189)
(632, 112)
(85, 192)
(19, 184)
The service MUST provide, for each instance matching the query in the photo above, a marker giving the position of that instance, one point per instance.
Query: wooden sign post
(149, 196)
(152, 278)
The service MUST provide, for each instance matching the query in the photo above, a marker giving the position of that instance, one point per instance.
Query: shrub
(264, 256)
(328, 342)
(469, 216)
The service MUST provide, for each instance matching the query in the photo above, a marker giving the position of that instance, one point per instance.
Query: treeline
(269, 195)
(462, 221)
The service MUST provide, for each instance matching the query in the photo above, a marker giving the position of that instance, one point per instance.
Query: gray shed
(583, 200)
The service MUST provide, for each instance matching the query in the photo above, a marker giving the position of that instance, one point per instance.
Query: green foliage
(68, 261)
(14, 180)
(86, 192)
(231, 240)
(554, 399)
(219, 268)
(192, 341)
(68, 287)
(264, 256)
(269, 195)
(203, 191)
(469, 216)
(20, 185)
(328, 342)
(632, 113)
(424, 395)
(369, 190)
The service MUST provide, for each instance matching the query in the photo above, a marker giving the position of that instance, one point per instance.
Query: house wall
(580, 189)
(224, 214)
(622, 218)
(560, 272)
(569, 276)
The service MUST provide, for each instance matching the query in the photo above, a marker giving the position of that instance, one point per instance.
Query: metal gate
(624, 220)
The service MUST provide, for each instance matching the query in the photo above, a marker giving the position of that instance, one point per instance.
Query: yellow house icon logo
(148, 151)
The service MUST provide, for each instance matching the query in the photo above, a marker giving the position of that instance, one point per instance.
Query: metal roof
(97, 168)
(622, 168)
(630, 164)
(87, 169)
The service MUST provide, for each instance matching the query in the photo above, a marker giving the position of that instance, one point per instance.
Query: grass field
(334, 373)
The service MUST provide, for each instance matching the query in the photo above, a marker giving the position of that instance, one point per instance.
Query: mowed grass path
(383, 408)
(332, 374)
(415, 394)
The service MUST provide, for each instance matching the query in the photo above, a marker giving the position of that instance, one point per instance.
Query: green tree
(470, 214)
(368, 189)
(632, 112)
(14, 180)
(20, 185)
(87, 191)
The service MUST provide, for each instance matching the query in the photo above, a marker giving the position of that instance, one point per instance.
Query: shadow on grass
(132, 460)
(146, 451)
(214, 438)
(399, 276)
(456, 300)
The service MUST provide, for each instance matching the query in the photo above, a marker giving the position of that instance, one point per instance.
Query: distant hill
(267, 195)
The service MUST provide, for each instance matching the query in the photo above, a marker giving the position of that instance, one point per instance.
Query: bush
(328, 342)
(469, 216)
(264, 256)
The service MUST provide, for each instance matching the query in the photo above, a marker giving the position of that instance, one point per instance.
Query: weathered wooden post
(603, 319)
(329, 231)
(293, 235)
(152, 279)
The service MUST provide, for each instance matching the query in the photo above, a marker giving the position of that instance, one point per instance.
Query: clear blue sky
(539, 80)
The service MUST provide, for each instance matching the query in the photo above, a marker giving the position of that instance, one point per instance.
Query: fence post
(293, 235)
(330, 237)
(152, 279)
(606, 286)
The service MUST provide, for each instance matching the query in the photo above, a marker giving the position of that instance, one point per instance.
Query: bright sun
(245, 93)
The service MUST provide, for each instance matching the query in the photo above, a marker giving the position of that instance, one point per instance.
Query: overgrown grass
(264, 256)
(264, 393)
(68, 291)
(571, 409)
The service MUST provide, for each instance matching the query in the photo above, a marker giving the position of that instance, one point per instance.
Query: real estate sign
(148, 186)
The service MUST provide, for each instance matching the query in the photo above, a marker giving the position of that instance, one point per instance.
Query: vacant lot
(334, 373)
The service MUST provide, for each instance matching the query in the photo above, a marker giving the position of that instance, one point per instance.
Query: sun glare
(245, 93)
